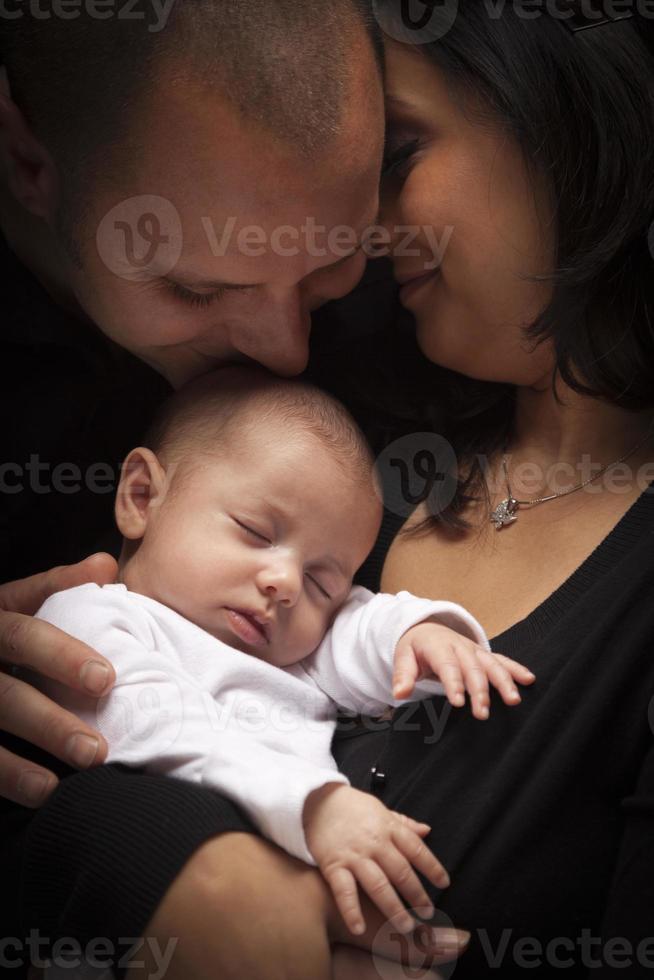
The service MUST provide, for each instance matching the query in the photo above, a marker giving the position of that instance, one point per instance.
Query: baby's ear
(143, 486)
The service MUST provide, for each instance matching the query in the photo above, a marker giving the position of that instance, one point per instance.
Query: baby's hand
(355, 839)
(431, 649)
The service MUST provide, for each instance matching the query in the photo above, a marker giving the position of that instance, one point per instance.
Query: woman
(534, 144)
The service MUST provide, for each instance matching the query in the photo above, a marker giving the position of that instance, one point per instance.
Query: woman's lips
(246, 628)
(411, 286)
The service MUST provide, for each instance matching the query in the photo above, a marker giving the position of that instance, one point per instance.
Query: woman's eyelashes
(398, 157)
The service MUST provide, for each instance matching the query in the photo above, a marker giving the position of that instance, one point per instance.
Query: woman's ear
(30, 171)
(143, 486)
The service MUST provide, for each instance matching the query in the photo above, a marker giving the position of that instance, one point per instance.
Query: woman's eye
(397, 159)
(252, 533)
(319, 586)
(196, 300)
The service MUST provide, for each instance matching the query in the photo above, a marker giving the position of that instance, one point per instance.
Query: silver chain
(580, 486)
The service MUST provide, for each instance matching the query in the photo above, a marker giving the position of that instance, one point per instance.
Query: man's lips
(251, 627)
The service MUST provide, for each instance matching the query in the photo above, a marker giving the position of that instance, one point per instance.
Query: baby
(236, 633)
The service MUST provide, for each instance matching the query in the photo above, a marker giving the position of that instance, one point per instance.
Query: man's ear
(143, 486)
(29, 169)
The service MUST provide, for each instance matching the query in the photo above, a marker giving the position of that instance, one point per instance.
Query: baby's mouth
(249, 626)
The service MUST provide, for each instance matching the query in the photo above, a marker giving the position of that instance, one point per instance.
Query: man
(166, 202)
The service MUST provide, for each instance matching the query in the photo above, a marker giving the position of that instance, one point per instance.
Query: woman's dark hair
(581, 106)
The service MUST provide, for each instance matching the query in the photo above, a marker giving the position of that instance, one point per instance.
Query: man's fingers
(346, 894)
(24, 782)
(30, 715)
(33, 643)
(27, 594)
(405, 671)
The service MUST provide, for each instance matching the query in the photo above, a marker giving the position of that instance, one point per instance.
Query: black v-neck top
(544, 815)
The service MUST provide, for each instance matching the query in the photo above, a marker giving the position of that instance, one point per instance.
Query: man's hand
(433, 650)
(26, 712)
(356, 840)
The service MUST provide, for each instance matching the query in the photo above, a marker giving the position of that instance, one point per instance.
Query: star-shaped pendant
(504, 513)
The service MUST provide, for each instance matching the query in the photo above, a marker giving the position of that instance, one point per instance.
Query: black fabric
(543, 814)
(72, 404)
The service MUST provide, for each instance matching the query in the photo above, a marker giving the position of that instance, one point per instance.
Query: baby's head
(249, 511)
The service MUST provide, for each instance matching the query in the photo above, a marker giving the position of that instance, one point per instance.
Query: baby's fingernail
(483, 713)
(82, 750)
(459, 700)
(94, 676)
(514, 696)
(358, 929)
(425, 912)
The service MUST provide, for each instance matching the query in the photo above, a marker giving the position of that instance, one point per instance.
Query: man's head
(249, 510)
(264, 115)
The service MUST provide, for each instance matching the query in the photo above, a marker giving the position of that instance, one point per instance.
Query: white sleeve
(354, 663)
(158, 717)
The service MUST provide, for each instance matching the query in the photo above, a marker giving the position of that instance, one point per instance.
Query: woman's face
(456, 179)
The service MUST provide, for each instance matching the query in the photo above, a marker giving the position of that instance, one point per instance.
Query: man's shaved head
(284, 65)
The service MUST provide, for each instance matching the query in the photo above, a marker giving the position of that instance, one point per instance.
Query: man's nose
(276, 335)
(281, 581)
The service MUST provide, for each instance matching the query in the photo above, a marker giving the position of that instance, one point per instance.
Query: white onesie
(185, 704)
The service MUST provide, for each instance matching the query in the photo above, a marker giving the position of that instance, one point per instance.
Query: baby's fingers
(405, 671)
(419, 855)
(405, 880)
(422, 829)
(345, 892)
(501, 678)
(518, 672)
(376, 885)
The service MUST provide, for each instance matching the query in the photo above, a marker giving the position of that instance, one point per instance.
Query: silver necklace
(506, 512)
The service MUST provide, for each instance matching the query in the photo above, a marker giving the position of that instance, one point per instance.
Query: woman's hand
(433, 650)
(26, 712)
(357, 842)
